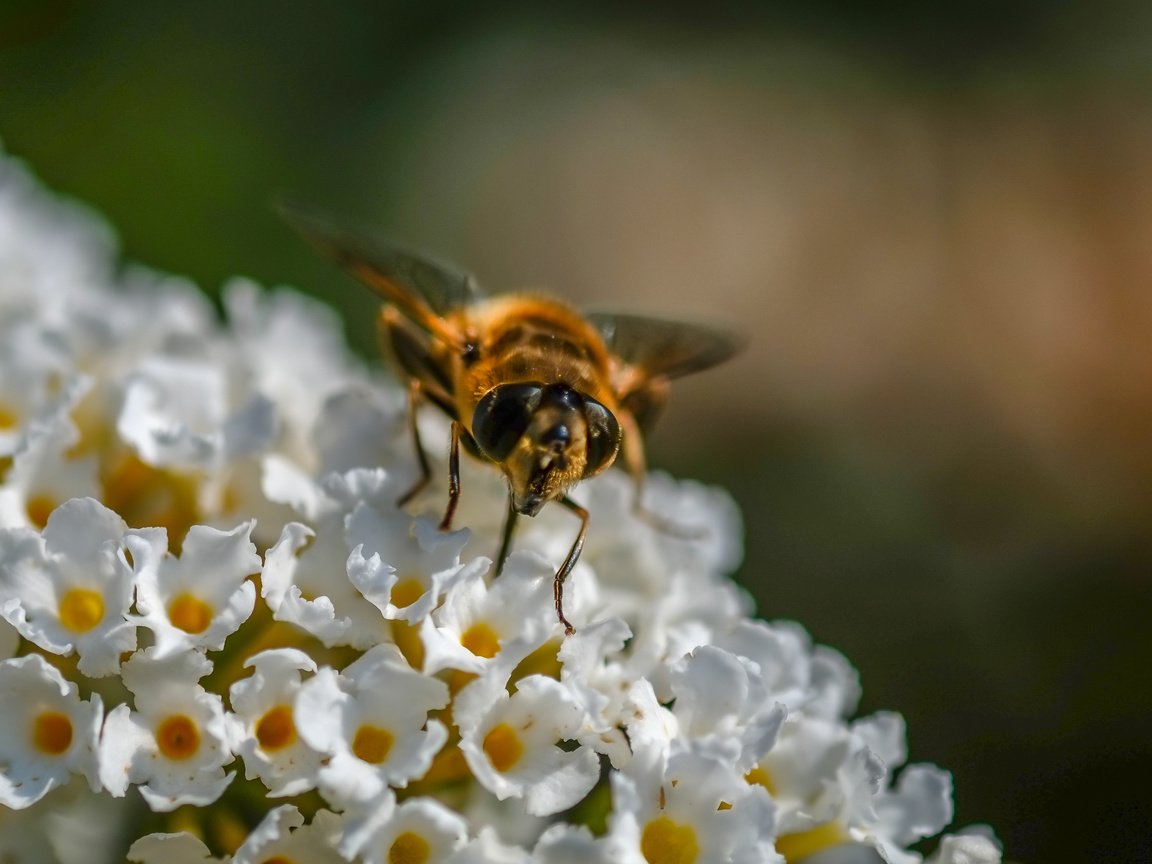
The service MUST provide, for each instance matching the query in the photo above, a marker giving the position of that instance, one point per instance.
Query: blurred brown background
(935, 221)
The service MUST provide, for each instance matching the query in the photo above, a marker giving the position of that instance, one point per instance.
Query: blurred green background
(934, 220)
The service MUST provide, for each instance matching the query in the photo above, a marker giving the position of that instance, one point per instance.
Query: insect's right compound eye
(502, 417)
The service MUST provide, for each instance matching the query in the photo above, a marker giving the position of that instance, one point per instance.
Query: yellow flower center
(52, 733)
(481, 640)
(796, 847)
(407, 639)
(372, 744)
(190, 614)
(81, 609)
(406, 592)
(409, 848)
(178, 737)
(666, 842)
(760, 777)
(39, 508)
(9, 418)
(276, 729)
(503, 747)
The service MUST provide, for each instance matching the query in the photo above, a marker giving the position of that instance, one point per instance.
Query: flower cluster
(223, 641)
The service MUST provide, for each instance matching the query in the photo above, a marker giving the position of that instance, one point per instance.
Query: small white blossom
(689, 807)
(512, 746)
(47, 733)
(487, 848)
(404, 565)
(966, 849)
(477, 621)
(371, 739)
(264, 729)
(198, 600)
(283, 836)
(420, 829)
(722, 707)
(175, 848)
(174, 745)
(178, 412)
(70, 588)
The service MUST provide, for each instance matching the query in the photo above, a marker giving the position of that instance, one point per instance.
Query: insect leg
(569, 562)
(415, 397)
(453, 479)
(506, 539)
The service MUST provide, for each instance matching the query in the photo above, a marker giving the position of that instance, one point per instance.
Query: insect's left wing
(421, 288)
(655, 350)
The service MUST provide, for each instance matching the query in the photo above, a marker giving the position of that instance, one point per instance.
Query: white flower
(722, 705)
(264, 731)
(283, 836)
(45, 472)
(178, 412)
(966, 849)
(562, 843)
(420, 829)
(403, 565)
(198, 600)
(512, 746)
(305, 583)
(477, 621)
(176, 848)
(175, 744)
(47, 733)
(292, 348)
(487, 848)
(371, 723)
(601, 680)
(70, 588)
(690, 807)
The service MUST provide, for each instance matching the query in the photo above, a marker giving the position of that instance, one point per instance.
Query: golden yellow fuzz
(81, 609)
(178, 737)
(667, 842)
(52, 733)
(409, 848)
(503, 747)
(481, 640)
(39, 508)
(372, 744)
(9, 419)
(797, 847)
(276, 729)
(406, 592)
(760, 777)
(189, 613)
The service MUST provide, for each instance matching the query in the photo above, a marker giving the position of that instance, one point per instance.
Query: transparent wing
(664, 349)
(422, 288)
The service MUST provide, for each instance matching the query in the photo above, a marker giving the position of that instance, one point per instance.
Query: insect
(547, 394)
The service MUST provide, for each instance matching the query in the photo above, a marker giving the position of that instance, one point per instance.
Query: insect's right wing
(422, 289)
(654, 350)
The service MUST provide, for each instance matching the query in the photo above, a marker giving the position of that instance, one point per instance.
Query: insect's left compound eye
(603, 437)
(502, 417)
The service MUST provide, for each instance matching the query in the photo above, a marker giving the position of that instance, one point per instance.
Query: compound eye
(502, 417)
(603, 437)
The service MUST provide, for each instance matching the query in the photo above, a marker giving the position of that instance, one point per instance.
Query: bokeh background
(934, 222)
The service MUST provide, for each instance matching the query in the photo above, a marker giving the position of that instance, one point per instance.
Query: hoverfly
(547, 394)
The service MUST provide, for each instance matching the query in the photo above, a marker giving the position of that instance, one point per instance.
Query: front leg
(415, 397)
(453, 479)
(569, 563)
